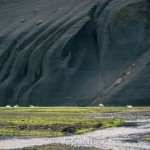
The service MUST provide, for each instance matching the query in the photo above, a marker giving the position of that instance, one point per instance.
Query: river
(116, 138)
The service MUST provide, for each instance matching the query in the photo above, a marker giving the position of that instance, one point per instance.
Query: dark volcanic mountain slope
(73, 52)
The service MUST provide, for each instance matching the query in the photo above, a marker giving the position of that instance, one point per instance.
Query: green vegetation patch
(146, 139)
(55, 121)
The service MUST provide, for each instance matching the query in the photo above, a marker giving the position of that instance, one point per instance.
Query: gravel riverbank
(117, 138)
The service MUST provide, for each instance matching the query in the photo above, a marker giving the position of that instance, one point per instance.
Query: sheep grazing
(133, 65)
(16, 106)
(31, 106)
(36, 10)
(129, 106)
(101, 105)
(39, 22)
(128, 73)
(8, 106)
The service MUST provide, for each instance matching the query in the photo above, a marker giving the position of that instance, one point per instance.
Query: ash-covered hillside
(74, 52)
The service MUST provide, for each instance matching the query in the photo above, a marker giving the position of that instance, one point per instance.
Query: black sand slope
(74, 52)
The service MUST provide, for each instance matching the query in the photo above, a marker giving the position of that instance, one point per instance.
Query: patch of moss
(57, 121)
(84, 130)
(146, 139)
(114, 123)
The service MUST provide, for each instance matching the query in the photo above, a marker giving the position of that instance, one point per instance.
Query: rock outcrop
(73, 52)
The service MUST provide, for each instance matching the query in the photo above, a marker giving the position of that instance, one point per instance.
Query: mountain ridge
(74, 52)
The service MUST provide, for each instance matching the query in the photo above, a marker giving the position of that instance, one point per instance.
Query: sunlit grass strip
(55, 121)
(58, 127)
(70, 109)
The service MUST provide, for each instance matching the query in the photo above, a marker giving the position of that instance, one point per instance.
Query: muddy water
(117, 138)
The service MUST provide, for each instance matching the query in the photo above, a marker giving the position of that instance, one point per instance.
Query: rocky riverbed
(130, 136)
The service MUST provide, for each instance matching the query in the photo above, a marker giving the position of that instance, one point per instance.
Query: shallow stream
(117, 138)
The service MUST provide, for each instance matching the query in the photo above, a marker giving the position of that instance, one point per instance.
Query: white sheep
(39, 22)
(133, 65)
(36, 9)
(31, 106)
(128, 73)
(101, 105)
(8, 106)
(16, 106)
(129, 106)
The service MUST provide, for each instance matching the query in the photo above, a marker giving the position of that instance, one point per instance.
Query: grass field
(57, 121)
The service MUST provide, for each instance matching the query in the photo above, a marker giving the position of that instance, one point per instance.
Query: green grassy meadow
(57, 121)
